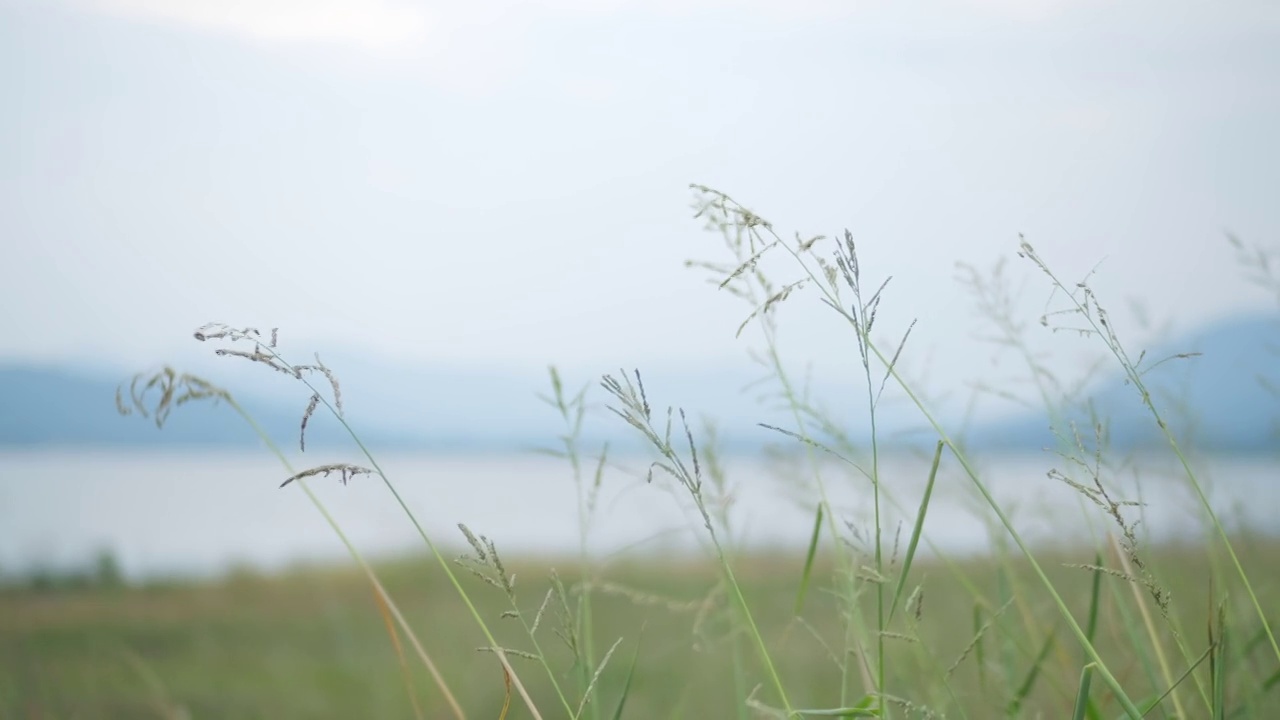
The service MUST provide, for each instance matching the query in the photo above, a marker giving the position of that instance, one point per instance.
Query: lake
(201, 513)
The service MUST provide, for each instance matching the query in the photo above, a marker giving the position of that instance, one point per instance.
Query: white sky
(506, 183)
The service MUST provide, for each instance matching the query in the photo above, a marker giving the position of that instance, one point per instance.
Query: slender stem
(1128, 705)
(355, 555)
(435, 551)
(1136, 378)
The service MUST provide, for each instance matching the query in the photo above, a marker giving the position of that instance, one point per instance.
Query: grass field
(313, 644)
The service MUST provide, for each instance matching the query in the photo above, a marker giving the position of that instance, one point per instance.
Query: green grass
(842, 629)
(311, 644)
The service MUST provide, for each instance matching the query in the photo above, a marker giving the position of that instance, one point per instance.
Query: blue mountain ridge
(1223, 395)
(48, 406)
(392, 406)
(1226, 399)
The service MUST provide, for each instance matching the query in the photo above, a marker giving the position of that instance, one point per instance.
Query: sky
(505, 184)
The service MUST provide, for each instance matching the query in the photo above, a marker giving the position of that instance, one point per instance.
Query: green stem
(1103, 670)
(435, 551)
(1136, 379)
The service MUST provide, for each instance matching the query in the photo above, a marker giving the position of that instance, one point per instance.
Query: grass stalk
(908, 389)
(1096, 317)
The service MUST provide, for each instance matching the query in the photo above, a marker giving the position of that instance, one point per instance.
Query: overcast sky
(505, 183)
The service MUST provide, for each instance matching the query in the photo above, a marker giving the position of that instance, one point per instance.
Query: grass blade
(1083, 703)
(915, 531)
(1082, 697)
(1029, 681)
(1156, 702)
(979, 628)
(1217, 662)
(626, 684)
(1095, 597)
(808, 561)
(595, 678)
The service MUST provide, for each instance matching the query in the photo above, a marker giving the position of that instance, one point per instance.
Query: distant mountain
(54, 406)
(1226, 399)
(396, 406)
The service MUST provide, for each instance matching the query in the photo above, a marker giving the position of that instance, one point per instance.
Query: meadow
(859, 624)
(313, 644)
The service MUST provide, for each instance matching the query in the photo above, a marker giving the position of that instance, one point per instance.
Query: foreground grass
(313, 644)
(851, 628)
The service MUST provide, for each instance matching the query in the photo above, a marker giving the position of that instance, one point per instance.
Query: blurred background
(442, 200)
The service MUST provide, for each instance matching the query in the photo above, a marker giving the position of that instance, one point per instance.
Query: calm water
(203, 513)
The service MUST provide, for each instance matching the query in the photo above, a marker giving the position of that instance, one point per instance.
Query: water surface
(201, 512)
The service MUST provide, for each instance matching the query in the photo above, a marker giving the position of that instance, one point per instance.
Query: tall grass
(1085, 639)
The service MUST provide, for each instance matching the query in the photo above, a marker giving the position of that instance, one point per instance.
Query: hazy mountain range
(1227, 399)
